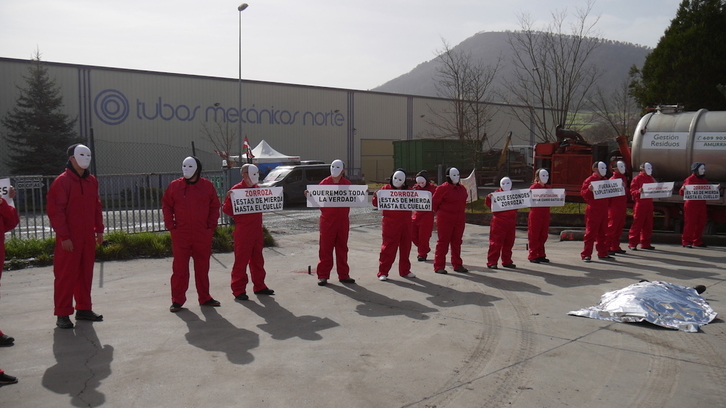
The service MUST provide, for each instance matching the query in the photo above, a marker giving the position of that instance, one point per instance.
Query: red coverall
(596, 219)
(449, 203)
(617, 212)
(191, 212)
(502, 231)
(334, 227)
(74, 210)
(538, 225)
(249, 240)
(8, 221)
(695, 215)
(642, 227)
(396, 231)
(423, 225)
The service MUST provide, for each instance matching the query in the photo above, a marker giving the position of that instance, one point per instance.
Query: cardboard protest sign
(607, 188)
(511, 200)
(337, 195)
(471, 189)
(701, 192)
(657, 190)
(5, 190)
(548, 197)
(254, 200)
(404, 200)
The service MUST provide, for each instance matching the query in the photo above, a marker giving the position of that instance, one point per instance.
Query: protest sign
(657, 190)
(254, 200)
(337, 195)
(471, 189)
(701, 192)
(404, 200)
(511, 200)
(607, 188)
(5, 190)
(548, 197)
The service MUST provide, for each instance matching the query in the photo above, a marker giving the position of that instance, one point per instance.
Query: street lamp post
(240, 9)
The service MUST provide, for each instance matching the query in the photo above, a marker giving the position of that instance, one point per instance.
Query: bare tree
(221, 135)
(552, 75)
(617, 108)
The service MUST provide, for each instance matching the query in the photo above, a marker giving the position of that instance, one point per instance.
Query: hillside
(614, 59)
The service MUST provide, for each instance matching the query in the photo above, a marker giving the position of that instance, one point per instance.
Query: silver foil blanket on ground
(661, 303)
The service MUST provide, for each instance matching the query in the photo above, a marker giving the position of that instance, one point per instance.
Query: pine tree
(37, 132)
(689, 61)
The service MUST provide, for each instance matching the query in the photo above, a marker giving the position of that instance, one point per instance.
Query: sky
(350, 44)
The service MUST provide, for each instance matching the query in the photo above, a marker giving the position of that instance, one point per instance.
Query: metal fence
(131, 202)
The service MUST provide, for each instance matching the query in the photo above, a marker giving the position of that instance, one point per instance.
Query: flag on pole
(246, 149)
(470, 184)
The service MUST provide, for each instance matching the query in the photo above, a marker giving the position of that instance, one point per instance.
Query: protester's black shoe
(211, 302)
(633, 248)
(606, 258)
(242, 296)
(7, 379)
(88, 315)
(700, 289)
(346, 280)
(64, 322)
(441, 271)
(536, 260)
(6, 340)
(620, 251)
(587, 259)
(175, 307)
(687, 246)
(612, 252)
(545, 260)
(492, 266)
(322, 282)
(701, 246)
(421, 258)
(461, 269)
(649, 248)
(265, 291)
(510, 266)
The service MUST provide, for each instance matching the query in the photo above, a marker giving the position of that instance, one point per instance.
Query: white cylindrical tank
(672, 141)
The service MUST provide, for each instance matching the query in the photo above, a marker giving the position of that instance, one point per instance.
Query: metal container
(671, 142)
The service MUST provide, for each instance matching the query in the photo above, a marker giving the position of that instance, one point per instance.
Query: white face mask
(454, 175)
(83, 156)
(544, 176)
(602, 168)
(336, 168)
(421, 181)
(621, 166)
(254, 174)
(189, 167)
(505, 184)
(701, 169)
(648, 169)
(398, 179)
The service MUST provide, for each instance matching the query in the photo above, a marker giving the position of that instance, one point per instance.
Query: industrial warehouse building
(144, 122)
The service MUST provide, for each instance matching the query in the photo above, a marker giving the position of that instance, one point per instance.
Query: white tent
(267, 158)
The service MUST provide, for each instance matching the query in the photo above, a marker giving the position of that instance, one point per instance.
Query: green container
(427, 154)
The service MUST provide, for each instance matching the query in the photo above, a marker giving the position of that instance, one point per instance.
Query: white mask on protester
(648, 169)
(254, 174)
(505, 183)
(454, 175)
(398, 179)
(602, 168)
(544, 176)
(83, 156)
(189, 167)
(621, 166)
(421, 181)
(336, 168)
(701, 169)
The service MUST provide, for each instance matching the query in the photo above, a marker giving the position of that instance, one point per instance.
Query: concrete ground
(489, 338)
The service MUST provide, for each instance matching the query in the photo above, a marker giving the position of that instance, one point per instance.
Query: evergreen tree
(689, 62)
(37, 132)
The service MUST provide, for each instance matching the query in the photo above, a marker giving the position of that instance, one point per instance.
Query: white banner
(665, 140)
(607, 188)
(701, 192)
(710, 141)
(548, 197)
(511, 200)
(254, 200)
(5, 190)
(337, 195)
(471, 189)
(657, 190)
(404, 200)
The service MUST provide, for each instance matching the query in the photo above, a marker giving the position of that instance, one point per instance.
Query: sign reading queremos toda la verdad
(254, 200)
(404, 200)
(337, 195)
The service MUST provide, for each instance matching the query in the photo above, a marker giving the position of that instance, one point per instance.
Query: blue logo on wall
(111, 107)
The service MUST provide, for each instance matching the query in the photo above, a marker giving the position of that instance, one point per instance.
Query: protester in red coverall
(617, 210)
(249, 240)
(423, 221)
(695, 212)
(449, 203)
(596, 216)
(74, 210)
(191, 212)
(334, 228)
(396, 231)
(642, 227)
(502, 231)
(538, 222)
(8, 221)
